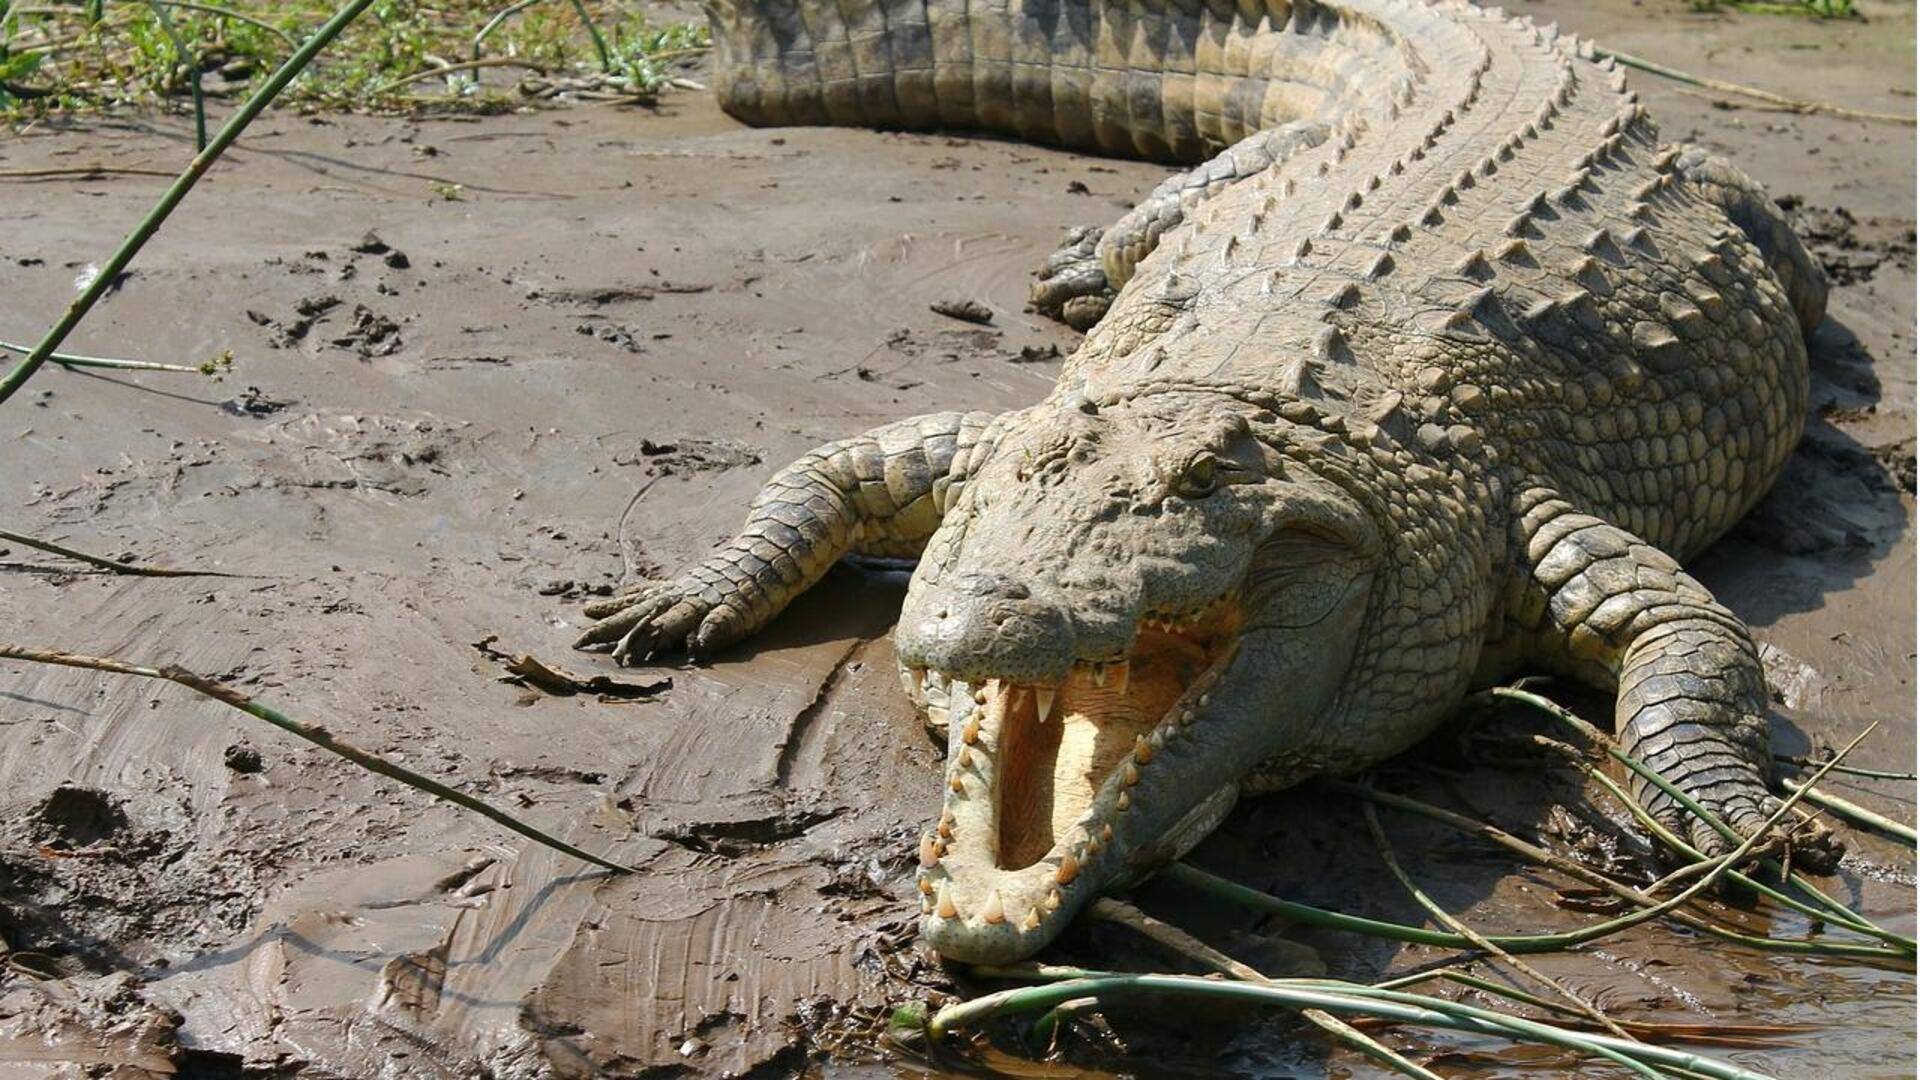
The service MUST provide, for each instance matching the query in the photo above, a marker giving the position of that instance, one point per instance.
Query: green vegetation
(69, 56)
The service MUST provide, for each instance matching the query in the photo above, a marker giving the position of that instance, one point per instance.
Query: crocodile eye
(1199, 478)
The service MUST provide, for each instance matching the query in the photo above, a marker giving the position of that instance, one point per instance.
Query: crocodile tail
(1130, 78)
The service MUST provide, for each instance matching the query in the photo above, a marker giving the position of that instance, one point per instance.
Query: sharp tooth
(1053, 900)
(944, 906)
(971, 733)
(1015, 694)
(994, 911)
(1032, 921)
(929, 851)
(1158, 739)
(1106, 833)
(906, 681)
(920, 678)
(966, 758)
(1043, 702)
(979, 695)
(1124, 801)
(945, 828)
(1203, 700)
(1142, 750)
(1099, 674)
(959, 787)
(926, 887)
(1121, 672)
(1129, 773)
(1068, 870)
(926, 905)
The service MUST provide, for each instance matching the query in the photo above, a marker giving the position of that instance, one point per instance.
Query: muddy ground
(498, 406)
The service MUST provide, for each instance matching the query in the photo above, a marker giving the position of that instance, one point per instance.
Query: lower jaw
(975, 941)
(976, 911)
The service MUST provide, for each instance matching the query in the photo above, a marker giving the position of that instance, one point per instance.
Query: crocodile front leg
(880, 493)
(1692, 698)
(1078, 282)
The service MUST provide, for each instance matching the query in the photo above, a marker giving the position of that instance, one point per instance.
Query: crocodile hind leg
(1602, 604)
(1748, 206)
(880, 493)
(1078, 281)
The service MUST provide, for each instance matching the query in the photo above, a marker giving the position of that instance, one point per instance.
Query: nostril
(996, 586)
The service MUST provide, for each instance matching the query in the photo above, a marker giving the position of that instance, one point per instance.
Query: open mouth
(1042, 777)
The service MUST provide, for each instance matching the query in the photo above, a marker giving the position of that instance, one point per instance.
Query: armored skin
(1430, 370)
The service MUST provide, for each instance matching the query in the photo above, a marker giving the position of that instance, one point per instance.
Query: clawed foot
(660, 616)
(1803, 842)
(1073, 285)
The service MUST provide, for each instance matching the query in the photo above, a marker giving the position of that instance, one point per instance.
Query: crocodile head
(1129, 609)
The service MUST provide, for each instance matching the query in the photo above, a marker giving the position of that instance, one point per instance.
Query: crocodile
(1432, 368)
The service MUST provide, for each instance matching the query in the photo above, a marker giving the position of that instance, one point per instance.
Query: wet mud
(450, 423)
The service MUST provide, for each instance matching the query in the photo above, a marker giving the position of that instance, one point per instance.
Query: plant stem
(1526, 943)
(197, 168)
(238, 16)
(1855, 922)
(1850, 770)
(192, 63)
(1595, 738)
(82, 171)
(1192, 947)
(1790, 104)
(73, 360)
(1447, 918)
(1853, 812)
(499, 17)
(1626, 892)
(314, 734)
(107, 564)
(599, 43)
(1334, 997)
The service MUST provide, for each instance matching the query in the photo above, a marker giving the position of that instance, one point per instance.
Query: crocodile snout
(977, 626)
